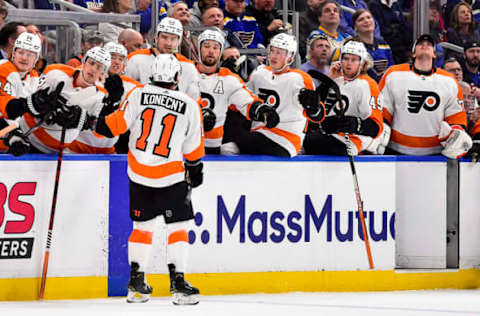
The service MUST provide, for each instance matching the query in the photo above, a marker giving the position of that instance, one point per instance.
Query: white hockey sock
(140, 243)
(177, 248)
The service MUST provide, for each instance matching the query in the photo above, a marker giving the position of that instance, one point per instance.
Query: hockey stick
(4, 131)
(52, 216)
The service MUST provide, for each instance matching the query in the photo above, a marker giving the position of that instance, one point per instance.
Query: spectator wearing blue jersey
(346, 22)
(144, 9)
(329, 21)
(318, 55)
(378, 49)
(242, 26)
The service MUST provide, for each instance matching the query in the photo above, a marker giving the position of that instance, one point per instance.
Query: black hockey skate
(183, 292)
(138, 290)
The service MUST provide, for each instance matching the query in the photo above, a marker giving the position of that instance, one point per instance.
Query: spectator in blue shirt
(329, 19)
(318, 55)
(240, 25)
(346, 21)
(144, 9)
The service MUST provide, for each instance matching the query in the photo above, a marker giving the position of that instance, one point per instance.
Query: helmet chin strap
(284, 66)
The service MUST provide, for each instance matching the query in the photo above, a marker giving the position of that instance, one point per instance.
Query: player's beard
(209, 62)
(473, 63)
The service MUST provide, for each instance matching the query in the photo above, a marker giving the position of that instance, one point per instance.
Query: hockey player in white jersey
(424, 106)
(282, 132)
(117, 85)
(220, 89)
(166, 128)
(169, 37)
(358, 113)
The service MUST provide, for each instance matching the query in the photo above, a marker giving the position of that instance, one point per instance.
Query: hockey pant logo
(417, 100)
(270, 97)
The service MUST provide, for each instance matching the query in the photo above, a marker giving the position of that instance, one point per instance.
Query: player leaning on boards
(165, 127)
(220, 89)
(358, 113)
(169, 37)
(284, 113)
(117, 86)
(424, 106)
(18, 81)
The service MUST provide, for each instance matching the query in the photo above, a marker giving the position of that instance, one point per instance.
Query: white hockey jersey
(165, 127)
(46, 137)
(13, 86)
(89, 142)
(415, 105)
(139, 67)
(359, 99)
(218, 91)
(280, 91)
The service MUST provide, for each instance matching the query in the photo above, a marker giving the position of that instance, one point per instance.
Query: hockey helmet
(171, 26)
(212, 35)
(115, 48)
(286, 42)
(357, 48)
(28, 41)
(165, 68)
(100, 55)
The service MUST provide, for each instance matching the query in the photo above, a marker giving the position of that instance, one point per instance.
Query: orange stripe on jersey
(414, 141)
(4, 99)
(141, 236)
(42, 135)
(3, 147)
(129, 80)
(307, 80)
(387, 116)
(394, 68)
(116, 123)
(292, 138)
(459, 118)
(154, 172)
(144, 51)
(476, 128)
(64, 68)
(178, 236)
(181, 58)
(81, 148)
(198, 153)
(217, 132)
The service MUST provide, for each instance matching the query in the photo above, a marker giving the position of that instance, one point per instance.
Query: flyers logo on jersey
(417, 100)
(330, 103)
(207, 100)
(270, 97)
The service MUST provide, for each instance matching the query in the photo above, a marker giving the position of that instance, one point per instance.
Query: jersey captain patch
(429, 100)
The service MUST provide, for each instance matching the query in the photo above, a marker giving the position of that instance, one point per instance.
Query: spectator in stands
(90, 39)
(471, 55)
(393, 27)
(244, 27)
(213, 17)
(268, 19)
(308, 21)
(378, 49)
(131, 40)
(3, 12)
(8, 35)
(111, 31)
(329, 21)
(437, 29)
(318, 55)
(188, 47)
(144, 9)
(463, 27)
(41, 61)
(452, 3)
(197, 12)
(346, 23)
(94, 5)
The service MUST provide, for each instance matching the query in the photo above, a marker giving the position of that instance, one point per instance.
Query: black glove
(209, 119)
(194, 173)
(345, 124)
(17, 144)
(474, 152)
(72, 117)
(42, 102)
(114, 87)
(264, 113)
(310, 101)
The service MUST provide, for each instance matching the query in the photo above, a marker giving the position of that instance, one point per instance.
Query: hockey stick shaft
(52, 216)
(4, 131)
(360, 212)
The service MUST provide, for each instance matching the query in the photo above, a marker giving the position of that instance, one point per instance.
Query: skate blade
(182, 299)
(135, 297)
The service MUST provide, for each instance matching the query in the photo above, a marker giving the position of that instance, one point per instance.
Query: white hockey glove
(455, 141)
(378, 145)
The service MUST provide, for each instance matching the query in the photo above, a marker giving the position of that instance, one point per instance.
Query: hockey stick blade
(326, 82)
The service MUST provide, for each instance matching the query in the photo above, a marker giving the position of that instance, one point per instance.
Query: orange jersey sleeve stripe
(387, 116)
(459, 118)
(476, 128)
(198, 153)
(62, 67)
(42, 135)
(292, 138)
(128, 79)
(116, 123)
(178, 236)
(217, 132)
(4, 99)
(144, 51)
(141, 236)
(81, 148)
(180, 57)
(414, 141)
(154, 172)
(401, 67)
(307, 80)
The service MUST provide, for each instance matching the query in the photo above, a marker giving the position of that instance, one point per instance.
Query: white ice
(404, 303)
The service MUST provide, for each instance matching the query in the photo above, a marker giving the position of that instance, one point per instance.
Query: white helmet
(212, 35)
(100, 55)
(28, 41)
(287, 42)
(115, 48)
(358, 49)
(165, 68)
(170, 25)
